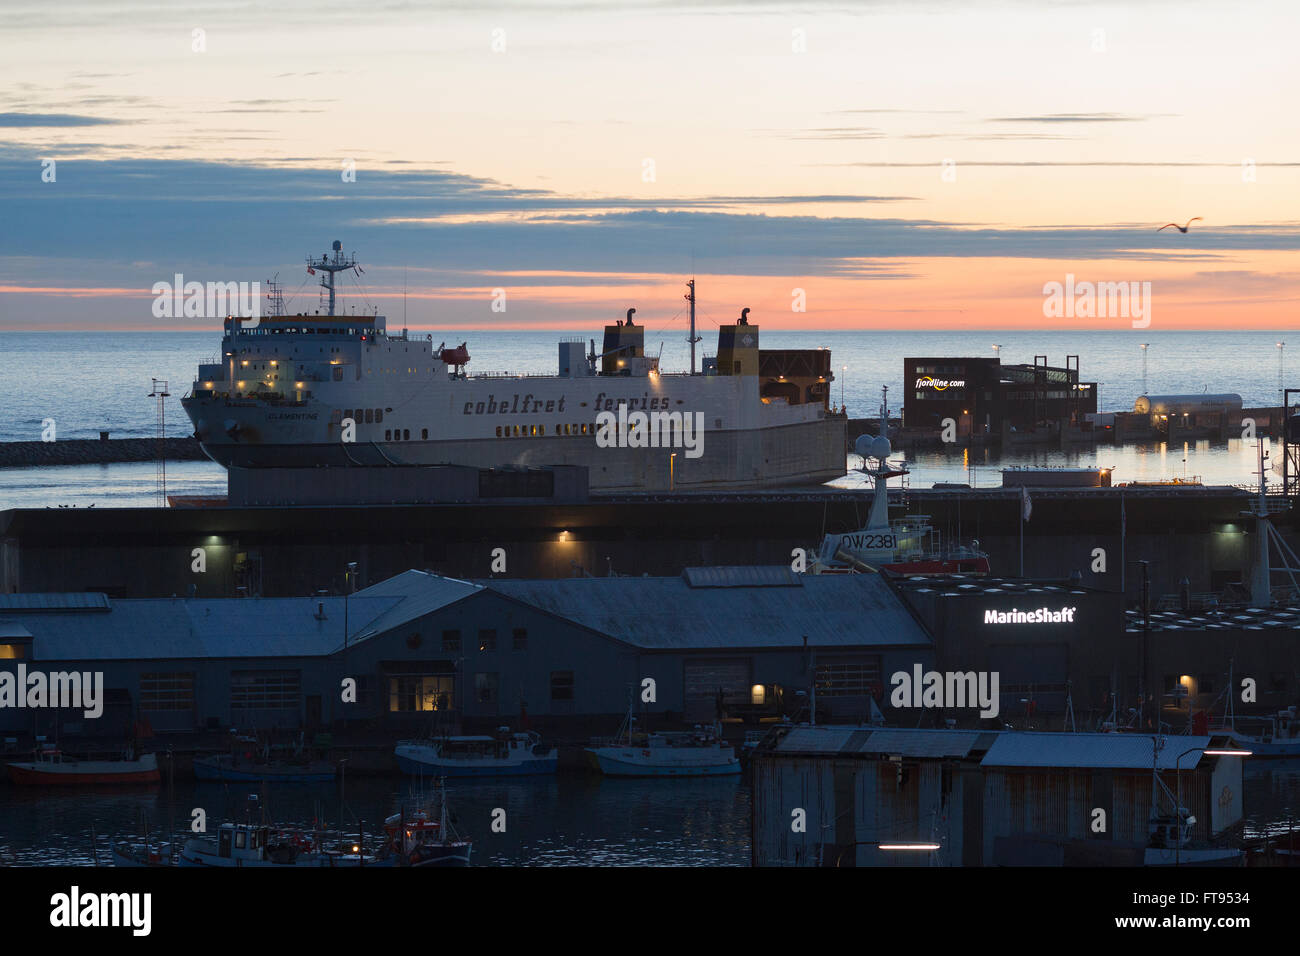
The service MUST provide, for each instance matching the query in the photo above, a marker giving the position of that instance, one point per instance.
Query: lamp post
(1144, 346)
(347, 589)
(672, 472)
(844, 371)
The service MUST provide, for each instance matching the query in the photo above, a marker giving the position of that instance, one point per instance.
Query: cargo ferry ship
(341, 390)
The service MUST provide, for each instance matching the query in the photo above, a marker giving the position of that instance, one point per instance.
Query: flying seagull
(1178, 227)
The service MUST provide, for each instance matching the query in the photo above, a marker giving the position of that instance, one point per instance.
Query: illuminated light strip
(908, 846)
(1227, 753)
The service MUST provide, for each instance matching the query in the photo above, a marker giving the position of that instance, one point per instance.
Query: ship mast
(692, 338)
(330, 265)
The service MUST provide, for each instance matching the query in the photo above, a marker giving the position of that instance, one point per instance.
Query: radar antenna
(328, 265)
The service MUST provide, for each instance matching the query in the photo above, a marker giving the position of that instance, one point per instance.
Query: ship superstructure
(331, 389)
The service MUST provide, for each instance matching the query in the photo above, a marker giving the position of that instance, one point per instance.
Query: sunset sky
(908, 165)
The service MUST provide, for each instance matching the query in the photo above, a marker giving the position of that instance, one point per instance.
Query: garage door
(704, 678)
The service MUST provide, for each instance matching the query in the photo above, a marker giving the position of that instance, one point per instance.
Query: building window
(264, 690)
(451, 640)
(487, 639)
(849, 679)
(412, 693)
(561, 685)
(486, 688)
(519, 639)
(167, 691)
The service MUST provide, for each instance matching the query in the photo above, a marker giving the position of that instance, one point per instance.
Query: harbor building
(429, 651)
(989, 400)
(870, 796)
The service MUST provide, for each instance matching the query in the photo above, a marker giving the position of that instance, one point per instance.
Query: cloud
(20, 120)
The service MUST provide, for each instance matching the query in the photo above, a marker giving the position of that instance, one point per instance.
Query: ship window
(424, 434)
(241, 839)
(370, 416)
(388, 435)
(406, 434)
(498, 431)
(379, 415)
(584, 429)
(541, 429)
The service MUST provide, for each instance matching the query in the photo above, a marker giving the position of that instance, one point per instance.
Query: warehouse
(855, 796)
(420, 648)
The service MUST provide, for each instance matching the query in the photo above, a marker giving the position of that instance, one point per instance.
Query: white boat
(696, 753)
(504, 755)
(1170, 844)
(251, 844)
(323, 388)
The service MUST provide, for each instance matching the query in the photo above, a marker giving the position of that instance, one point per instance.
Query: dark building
(986, 398)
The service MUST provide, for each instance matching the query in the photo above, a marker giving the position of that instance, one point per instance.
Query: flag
(1026, 506)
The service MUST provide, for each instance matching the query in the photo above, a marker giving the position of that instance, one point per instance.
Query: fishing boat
(256, 844)
(53, 768)
(228, 767)
(137, 854)
(501, 755)
(697, 753)
(415, 838)
(908, 546)
(1278, 735)
(1170, 844)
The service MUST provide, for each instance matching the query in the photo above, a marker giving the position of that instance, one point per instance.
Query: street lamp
(1281, 347)
(672, 472)
(844, 369)
(893, 846)
(1178, 783)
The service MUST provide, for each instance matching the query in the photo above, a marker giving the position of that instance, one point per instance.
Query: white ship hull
(745, 444)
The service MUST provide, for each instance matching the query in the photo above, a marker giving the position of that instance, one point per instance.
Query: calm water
(568, 820)
(93, 381)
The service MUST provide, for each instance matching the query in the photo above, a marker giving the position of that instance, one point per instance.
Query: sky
(927, 164)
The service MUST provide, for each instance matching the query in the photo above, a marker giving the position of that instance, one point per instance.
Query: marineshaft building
(747, 644)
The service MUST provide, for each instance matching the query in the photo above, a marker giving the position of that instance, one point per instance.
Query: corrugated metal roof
(831, 610)
(905, 742)
(743, 577)
(176, 628)
(1117, 751)
(56, 601)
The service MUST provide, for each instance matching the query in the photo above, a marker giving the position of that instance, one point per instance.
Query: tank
(1186, 404)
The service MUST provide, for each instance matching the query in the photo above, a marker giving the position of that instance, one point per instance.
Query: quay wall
(87, 451)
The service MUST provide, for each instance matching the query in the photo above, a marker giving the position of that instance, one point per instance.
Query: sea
(88, 382)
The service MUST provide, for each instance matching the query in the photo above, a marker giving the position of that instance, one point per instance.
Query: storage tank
(1186, 404)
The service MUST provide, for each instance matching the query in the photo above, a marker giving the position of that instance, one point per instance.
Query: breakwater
(83, 451)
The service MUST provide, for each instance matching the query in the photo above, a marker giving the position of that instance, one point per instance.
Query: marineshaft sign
(1042, 615)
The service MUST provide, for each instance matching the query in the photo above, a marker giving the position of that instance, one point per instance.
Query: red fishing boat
(52, 768)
